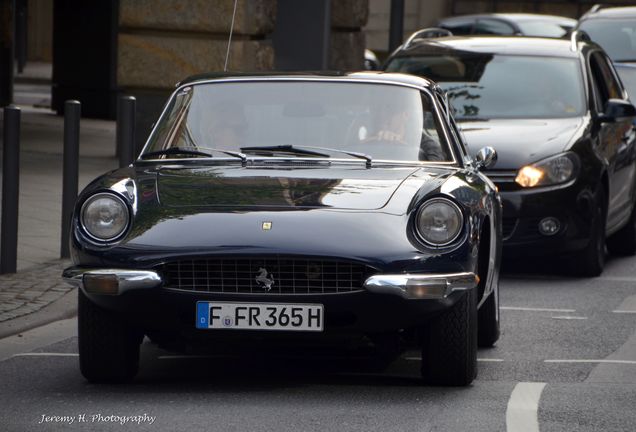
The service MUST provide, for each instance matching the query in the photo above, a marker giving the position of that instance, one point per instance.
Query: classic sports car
(303, 208)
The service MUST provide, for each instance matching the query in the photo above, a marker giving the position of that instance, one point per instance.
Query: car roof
(611, 12)
(514, 17)
(377, 77)
(533, 46)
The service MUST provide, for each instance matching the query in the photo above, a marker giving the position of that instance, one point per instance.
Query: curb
(62, 308)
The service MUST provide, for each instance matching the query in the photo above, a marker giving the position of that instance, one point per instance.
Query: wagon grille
(255, 275)
(505, 180)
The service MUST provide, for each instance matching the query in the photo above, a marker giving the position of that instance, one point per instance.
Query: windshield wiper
(194, 152)
(284, 149)
(309, 150)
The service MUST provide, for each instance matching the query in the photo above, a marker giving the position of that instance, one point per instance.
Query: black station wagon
(562, 125)
(300, 209)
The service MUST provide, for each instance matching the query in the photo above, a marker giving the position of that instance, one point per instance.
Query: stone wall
(161, 42)
(348, 41)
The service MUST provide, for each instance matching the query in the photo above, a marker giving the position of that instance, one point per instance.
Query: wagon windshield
(485, 86)
(300, 119)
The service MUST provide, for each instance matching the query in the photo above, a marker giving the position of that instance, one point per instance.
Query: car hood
(353, 188)
(520, 142)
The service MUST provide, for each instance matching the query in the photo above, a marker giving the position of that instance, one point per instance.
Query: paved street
(576, 336)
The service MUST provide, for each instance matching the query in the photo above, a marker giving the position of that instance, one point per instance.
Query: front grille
(254, 275)
(504, 179)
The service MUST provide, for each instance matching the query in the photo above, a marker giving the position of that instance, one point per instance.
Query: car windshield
(300, 118)
(502, 86)
(616, 36)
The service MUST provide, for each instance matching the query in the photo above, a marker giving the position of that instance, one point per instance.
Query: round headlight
(439, 221)
(104, 216)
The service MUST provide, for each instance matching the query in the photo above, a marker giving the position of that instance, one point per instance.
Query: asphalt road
(566, 362)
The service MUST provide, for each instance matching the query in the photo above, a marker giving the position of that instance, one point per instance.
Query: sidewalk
(38, 283)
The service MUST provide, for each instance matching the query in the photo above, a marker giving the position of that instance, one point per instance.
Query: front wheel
(488, 329)
(108, 347)
(591, 260)
(449, 345)
(623, 242)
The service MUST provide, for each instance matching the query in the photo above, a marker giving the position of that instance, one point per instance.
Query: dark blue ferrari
(294, 209)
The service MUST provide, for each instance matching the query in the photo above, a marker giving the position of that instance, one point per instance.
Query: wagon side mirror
(485, 158)
(617, 109)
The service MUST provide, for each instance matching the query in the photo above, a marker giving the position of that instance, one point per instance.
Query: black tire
(488, 313)
(590, 261)
(108, 347)
(449, 345)
(623, 242)
(488, 329)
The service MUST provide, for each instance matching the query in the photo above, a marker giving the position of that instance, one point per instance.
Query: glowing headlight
(555, 170)
(104, 216)
(439, 221)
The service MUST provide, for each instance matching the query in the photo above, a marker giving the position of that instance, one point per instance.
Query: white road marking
(479, 359)
(529, 309)
(607, 361)
(617, 278)
(177, 357)
(45, 354)
(569, 317)
(523, 407)
(628, 306)
(38, 337)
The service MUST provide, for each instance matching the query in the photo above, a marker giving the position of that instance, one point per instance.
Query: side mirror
(485, 158)
(616, 109)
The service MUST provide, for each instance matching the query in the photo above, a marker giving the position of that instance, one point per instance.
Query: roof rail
(596, 8)
(427, 33)
(577, 36)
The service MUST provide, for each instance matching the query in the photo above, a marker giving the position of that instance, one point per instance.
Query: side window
(598, 96)
(610, 88)
(495, 27)
(459, 27)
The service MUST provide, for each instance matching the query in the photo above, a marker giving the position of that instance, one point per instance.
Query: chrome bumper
(421, 286)
(408, 286)
(111, 281)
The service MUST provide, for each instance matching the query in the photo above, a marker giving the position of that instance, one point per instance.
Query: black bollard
(126, 107)
(72, 114)
(10, 190)
(396, 29)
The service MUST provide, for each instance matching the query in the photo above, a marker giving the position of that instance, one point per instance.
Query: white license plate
(260, 316)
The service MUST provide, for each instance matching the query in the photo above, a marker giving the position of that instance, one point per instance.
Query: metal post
(72, 114)
(10, 190)
(21, 34)
(7, 46)
(396, 29)
(126, 112)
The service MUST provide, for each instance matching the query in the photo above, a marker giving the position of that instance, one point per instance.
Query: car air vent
(292, 163)
(275, 275)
